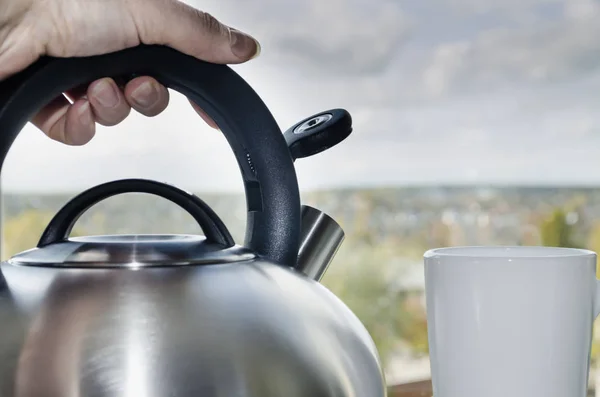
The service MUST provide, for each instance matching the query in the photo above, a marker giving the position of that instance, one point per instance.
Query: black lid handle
(62, 223)
(271, 186)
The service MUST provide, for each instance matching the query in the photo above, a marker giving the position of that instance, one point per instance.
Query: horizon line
(383, 186)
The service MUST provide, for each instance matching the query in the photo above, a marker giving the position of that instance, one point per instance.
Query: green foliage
(556, 231)
(413, 330)
(595, 351)
(23, 231)
(594, 243)
(366, 278)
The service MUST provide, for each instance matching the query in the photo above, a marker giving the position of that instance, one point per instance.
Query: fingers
(111, 104)
(191, 31)
(147, 96)
(104, 103)
(72, 124)
(108, 102)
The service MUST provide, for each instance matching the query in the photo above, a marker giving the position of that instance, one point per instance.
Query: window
(475, 123)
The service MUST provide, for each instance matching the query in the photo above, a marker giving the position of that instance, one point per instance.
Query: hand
(68, 28)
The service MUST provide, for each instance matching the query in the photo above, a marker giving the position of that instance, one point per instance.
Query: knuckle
(210, 23)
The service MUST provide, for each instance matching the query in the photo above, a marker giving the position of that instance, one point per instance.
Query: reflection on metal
(320, 240)
(250, 328)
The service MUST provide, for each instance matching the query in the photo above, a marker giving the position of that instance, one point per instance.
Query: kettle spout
(320, 239)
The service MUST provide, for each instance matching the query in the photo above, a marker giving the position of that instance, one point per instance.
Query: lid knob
(56, 249)
(62, 223)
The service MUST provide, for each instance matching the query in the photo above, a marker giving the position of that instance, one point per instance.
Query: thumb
(191, 31)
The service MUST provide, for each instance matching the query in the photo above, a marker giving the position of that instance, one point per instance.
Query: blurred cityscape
(378, 271)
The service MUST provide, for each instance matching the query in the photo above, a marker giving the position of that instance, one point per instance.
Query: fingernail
(81, 136)
(85, 114)
(244, 46)
(146, 95)
(258, 49)
(106, 94)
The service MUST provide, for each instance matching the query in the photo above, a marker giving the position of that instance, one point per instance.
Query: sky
(441, 92)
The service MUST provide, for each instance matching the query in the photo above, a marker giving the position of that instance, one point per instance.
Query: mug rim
(507, 252)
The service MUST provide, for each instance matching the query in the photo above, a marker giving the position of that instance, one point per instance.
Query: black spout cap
(318, 133)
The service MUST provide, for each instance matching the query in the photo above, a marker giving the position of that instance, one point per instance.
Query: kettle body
(250, 328)
(183, 315)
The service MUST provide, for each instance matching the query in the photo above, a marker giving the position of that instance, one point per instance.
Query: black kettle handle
(61, 225)
(270, 182)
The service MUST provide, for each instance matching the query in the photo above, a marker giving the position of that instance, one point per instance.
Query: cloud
(557, 50)
(330, 37)
(338, 38)
(400, 56)
(506, 7)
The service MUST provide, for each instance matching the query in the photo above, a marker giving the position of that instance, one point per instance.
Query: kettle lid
(131, 251)
(57, 249)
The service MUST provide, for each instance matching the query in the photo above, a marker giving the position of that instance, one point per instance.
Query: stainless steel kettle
(183, 315)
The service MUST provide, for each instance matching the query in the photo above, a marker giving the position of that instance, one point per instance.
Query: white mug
(510, 321)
